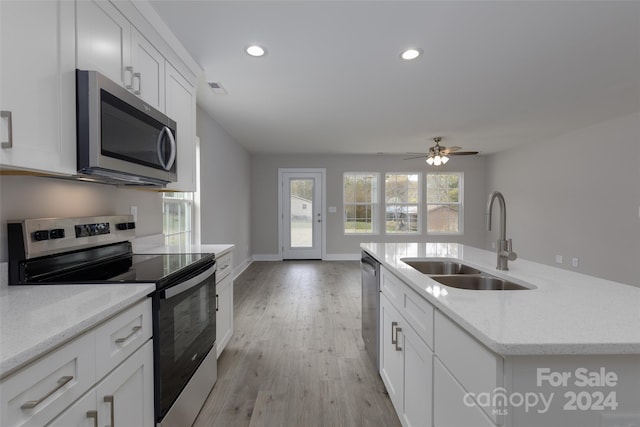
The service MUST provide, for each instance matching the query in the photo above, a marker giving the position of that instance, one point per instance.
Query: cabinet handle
(393, 332)
(217, 302)
(109, 399)
(398, 348)
(9, 142)
(224, 267)
(133, 331)
(94, 415)
(33, 403)
(130, 70)
(139, 77)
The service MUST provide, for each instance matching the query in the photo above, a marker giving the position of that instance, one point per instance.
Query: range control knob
(57, 233)
(41, 235)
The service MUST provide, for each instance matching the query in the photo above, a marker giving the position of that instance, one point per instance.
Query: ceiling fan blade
(415, 157)
(448, 150)
(463, 153)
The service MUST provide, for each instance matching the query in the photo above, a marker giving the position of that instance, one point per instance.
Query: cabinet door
(391, 356)
(125, 396)
(224, 314)
(180, 105)
(418, 380)
(148, 69)
(37, 85)
(104, 40)
(81, 414)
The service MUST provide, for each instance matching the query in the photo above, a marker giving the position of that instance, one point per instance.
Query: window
(444, 203)
(360, 198)
(402, 202)
(177, 209)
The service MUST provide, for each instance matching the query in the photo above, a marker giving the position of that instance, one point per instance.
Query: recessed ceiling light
(255, 50)
(410, 54)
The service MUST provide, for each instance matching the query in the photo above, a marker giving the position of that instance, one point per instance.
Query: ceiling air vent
(217, 88)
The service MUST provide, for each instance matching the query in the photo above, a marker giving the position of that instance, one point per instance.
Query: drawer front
(419, 313)
(36, 394)
(224, 266)
(449, 408)
(120, 336)
(391, 287)
(455, 348)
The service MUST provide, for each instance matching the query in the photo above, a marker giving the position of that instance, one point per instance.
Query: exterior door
(301, 213)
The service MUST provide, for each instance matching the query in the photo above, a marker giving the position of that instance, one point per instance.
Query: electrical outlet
(333, 209)
(134, 212)
(493, 245)
(559, 259)
(574, 262)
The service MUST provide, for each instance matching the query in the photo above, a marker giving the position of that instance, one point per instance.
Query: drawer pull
(398, 348)
(133, 331)
(94, 415)
(217, 307)
(393, 333)
(109, 399)
(224, 267)
(33, 403)
(9, 142)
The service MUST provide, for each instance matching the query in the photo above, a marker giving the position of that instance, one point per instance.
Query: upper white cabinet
(37, 86)
(180, 105)
(109, 44)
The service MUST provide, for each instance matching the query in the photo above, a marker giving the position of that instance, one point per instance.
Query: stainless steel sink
(481, 282)
(441, 267)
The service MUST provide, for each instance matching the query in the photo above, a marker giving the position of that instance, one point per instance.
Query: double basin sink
(461, 276)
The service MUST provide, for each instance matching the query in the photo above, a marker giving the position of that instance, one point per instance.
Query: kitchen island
(566, 352)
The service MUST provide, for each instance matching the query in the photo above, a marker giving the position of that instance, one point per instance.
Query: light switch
(332, 209)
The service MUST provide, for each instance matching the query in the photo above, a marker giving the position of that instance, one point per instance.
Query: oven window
(190, 318)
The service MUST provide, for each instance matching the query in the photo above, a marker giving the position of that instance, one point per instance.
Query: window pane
(360, 197)
(402, 218)
(443, 218)
(442, 188)
(402, 195)
(301, 213)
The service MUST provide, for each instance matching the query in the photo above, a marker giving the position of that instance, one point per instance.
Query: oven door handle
(186, 285)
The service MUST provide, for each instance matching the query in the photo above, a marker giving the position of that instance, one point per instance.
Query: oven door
(184, 333)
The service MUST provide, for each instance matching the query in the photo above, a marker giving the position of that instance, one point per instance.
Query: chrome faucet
(503, 246)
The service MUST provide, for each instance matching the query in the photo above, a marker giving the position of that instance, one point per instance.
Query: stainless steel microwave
(121, 139)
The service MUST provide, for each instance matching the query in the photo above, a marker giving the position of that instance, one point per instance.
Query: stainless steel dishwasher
(370, 268)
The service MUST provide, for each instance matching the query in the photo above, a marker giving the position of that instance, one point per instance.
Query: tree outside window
(402, 201)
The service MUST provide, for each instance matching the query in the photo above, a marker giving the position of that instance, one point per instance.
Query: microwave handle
(185, 286)
(172, 141)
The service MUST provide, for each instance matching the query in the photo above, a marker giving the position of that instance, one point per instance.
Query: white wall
(23, 197)
(264, 197)
(577, 195)
(225, 189)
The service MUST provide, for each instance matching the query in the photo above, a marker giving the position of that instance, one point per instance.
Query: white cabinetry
(224, 301)
(405, 358)
(37, 86)
(148, 71)
(107, 372)
(180, 105)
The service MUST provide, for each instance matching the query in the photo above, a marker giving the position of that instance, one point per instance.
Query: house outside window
(360, 201)
(445, 202)
(177, 209)
(402, 203)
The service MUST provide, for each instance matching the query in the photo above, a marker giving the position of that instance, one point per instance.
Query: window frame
(418, 205)
(460, 204)
(181, 237)
(374, 206)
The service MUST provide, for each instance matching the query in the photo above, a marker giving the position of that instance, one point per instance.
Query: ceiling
(493, 75)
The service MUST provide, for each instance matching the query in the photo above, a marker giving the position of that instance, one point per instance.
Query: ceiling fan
(439, 154)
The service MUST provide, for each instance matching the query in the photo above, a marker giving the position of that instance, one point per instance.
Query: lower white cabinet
(102, 377)
(123, 398)
(405, 367)
(224, 301)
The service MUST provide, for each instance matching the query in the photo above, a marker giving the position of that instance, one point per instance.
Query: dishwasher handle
(367, 265)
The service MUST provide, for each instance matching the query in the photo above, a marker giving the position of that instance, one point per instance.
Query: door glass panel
(301, 212)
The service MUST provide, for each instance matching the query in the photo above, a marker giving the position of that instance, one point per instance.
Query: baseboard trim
(342, 257)
(267, 257)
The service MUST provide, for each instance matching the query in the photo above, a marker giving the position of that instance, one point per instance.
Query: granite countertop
(36, 319)
(567, 313)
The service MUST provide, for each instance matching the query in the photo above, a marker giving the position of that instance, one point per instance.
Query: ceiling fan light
(445, 159)
(437, 161)
(430, 160)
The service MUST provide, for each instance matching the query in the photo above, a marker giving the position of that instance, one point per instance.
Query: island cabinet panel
(476, 368)
(449, 408)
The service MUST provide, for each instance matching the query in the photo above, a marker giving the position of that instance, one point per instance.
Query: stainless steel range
(98, 250)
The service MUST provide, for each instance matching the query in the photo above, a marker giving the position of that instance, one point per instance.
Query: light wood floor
(297, 357)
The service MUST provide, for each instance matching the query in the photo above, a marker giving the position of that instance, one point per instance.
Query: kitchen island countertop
(567, 313)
